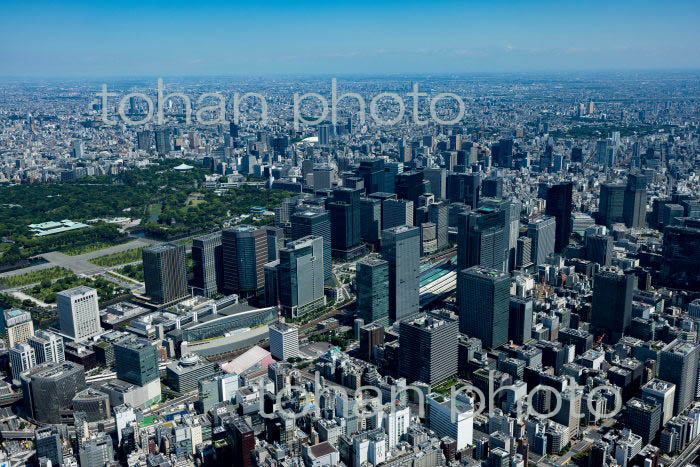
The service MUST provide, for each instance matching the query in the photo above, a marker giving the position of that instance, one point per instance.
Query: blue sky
(148, 38)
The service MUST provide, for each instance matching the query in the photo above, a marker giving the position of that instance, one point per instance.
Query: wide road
(687, 456)
(80, 264)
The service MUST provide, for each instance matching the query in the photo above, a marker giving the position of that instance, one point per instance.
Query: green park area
(170, 204)
(117, 259)
(35, 277)
(46, 290)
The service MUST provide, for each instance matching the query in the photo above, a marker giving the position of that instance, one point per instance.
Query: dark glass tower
(559, 206)
(372, 172)
(610, 208)
(612, 301)
(681, 262)
(245, 254)
(372, 283)
(136, 360)
(481, 239)
(464, 188)
(371, 220)
(520, 320)
(165, 273)
(208, 257)
(344, 210)
(409, 185)
(401, 249)
(483, 300)
(635, 201)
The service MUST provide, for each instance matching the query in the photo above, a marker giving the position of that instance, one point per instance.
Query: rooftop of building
(77, 291)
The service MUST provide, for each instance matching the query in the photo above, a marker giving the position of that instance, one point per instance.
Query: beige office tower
(79, 313)
(18, 326)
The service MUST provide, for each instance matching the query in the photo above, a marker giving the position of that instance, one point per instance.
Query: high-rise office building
(323, 177)
(520, 320)
(144, 140)
(511, 226)
(680, 267)
(79, 313)
(48, 445)
(678, 364)
(599, 249)
(492, 187)
(50, 387)
(371, 220)
(245, 255)
(300, 276)
(428, 348)
(136, 360)
(523, 257)
(48, 347)
(163, 143)
(241, 438)
(97, 451)
(401, 249)
(438, 181)
(233, 130)
(372, 284)
(372, 173)
(559, 199)
(165, 273)
(309, 222)
(371, 336)
(643, 417)
(662, 392)
(438, 215)
(284, 341)
(542, 233)
(481, 239)
(612, 301)
(464, 188)
(22, 358)
(208, 258)
(483, 300)
(396, 212)
(344, 210)
(17, 325)
(409, 186)
(611, 204)
(635, 201)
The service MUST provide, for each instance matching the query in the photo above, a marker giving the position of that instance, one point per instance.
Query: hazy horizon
(131, 39)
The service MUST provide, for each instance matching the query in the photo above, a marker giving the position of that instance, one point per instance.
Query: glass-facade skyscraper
(165, 272)
(136, 360)
(372, 282)
(207, 254)
(483, 300)
(401, 249)
(559, 199)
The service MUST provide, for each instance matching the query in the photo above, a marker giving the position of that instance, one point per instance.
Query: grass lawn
(35, 277)
(134, 271)
(117, 259)
(81, 250)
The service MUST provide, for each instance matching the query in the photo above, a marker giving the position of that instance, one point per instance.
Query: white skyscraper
(440, 418)
(22, 358)
(397, 423)
(79, 313)
(284, 341)
(48, 347)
